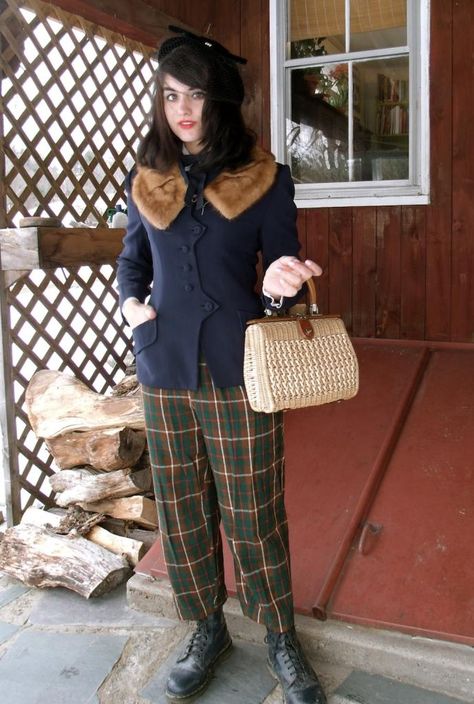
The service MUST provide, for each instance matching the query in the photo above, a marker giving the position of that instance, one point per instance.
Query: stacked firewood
(107, 516)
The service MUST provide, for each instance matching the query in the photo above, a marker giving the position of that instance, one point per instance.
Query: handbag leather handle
(313, 305)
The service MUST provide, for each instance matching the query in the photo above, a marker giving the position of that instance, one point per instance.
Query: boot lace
(198, 640)
(293, 658)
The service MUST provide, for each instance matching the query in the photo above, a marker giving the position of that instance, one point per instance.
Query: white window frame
(415, 190)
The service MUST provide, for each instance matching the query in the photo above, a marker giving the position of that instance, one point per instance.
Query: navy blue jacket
(199, 266)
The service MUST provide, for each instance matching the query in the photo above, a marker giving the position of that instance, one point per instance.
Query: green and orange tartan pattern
(214, 458)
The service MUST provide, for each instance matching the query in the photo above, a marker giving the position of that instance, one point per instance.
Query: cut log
(41, 558)
(128, 385)
(77, 486)
(145, 535)
(132, 549)
(58, 403)
(138, 509)
(73, 521)
(110, 449)
(39, 517)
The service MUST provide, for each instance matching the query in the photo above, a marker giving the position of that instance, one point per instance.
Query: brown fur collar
(160, 196)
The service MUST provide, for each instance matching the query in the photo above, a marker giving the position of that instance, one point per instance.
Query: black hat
(221, 77)
(195, 40)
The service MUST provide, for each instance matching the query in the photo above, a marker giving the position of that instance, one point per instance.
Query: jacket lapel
(159, 197)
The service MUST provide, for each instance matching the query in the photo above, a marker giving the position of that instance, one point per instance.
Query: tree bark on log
(58, 403)
(110, 449)
(138, 509)
(77, 486)
(41, 558)
(132, 548)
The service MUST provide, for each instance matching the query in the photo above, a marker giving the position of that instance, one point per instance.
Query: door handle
(370, 531)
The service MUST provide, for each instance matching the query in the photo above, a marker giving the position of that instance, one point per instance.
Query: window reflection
(330, 140)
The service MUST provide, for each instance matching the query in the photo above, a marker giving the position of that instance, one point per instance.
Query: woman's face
(183, 109)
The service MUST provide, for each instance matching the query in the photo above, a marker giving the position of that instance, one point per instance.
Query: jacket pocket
(145, 334)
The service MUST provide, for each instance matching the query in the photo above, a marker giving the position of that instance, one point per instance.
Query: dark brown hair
(227, 142)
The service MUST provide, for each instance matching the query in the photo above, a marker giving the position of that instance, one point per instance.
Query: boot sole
(223, 655)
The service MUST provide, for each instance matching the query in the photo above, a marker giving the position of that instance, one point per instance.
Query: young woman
(204, 201)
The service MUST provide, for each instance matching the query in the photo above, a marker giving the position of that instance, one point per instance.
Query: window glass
(349, 122)
(317, 131)
(322, 19)
(377, 24)
(318, 27)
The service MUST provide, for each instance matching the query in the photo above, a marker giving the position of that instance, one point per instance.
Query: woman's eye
(170, 97)
(199, 95)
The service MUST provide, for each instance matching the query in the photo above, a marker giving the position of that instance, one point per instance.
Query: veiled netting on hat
(200, 62)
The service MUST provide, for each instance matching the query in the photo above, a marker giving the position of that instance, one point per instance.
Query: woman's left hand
(286, 275)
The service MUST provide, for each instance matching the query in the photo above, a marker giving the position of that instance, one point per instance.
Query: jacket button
(186, 267)
(208, 306)
(188, 287)
(184, 248)
(196, 229)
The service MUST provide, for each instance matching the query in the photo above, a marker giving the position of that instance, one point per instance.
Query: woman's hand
(286, 275)
(137, 313)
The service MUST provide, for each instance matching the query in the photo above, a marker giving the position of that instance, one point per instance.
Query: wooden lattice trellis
(75, 99)
(67, 320)
(74, 103)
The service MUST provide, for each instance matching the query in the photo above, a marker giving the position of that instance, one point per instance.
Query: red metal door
(418, 574)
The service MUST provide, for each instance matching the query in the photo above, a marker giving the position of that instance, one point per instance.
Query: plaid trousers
(214, 459)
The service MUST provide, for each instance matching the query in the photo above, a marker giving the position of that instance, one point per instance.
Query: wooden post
(22, 250)
(12, 259)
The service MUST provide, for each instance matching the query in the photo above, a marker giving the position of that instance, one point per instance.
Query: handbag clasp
(306, 328)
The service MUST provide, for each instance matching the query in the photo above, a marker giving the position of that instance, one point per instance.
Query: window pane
(374, 24)
(381, 89)
(321, 147)
(320, 19)
(317, 131)
(378, 24)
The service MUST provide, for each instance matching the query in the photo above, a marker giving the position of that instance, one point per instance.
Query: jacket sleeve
(134, 264)
(279, 236)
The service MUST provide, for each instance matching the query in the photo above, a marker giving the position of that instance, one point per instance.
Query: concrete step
(363, 688)
(440, 667)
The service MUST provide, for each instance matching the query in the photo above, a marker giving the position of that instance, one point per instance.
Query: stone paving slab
(60, 606)
(57, 668)
(362, 688)
(243, 678)
(11, 593)
(7, 630)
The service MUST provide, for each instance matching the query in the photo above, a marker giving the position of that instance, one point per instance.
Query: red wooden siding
(439, 213)
(462, 316)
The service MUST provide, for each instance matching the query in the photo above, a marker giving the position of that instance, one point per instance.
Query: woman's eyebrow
(175, 90)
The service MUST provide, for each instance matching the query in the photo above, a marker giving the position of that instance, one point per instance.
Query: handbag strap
(313, 305)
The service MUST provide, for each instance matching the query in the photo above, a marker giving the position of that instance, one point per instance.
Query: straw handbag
(299, 360)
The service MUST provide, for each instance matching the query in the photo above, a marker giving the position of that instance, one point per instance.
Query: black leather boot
(289, 665)
(193, 670)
